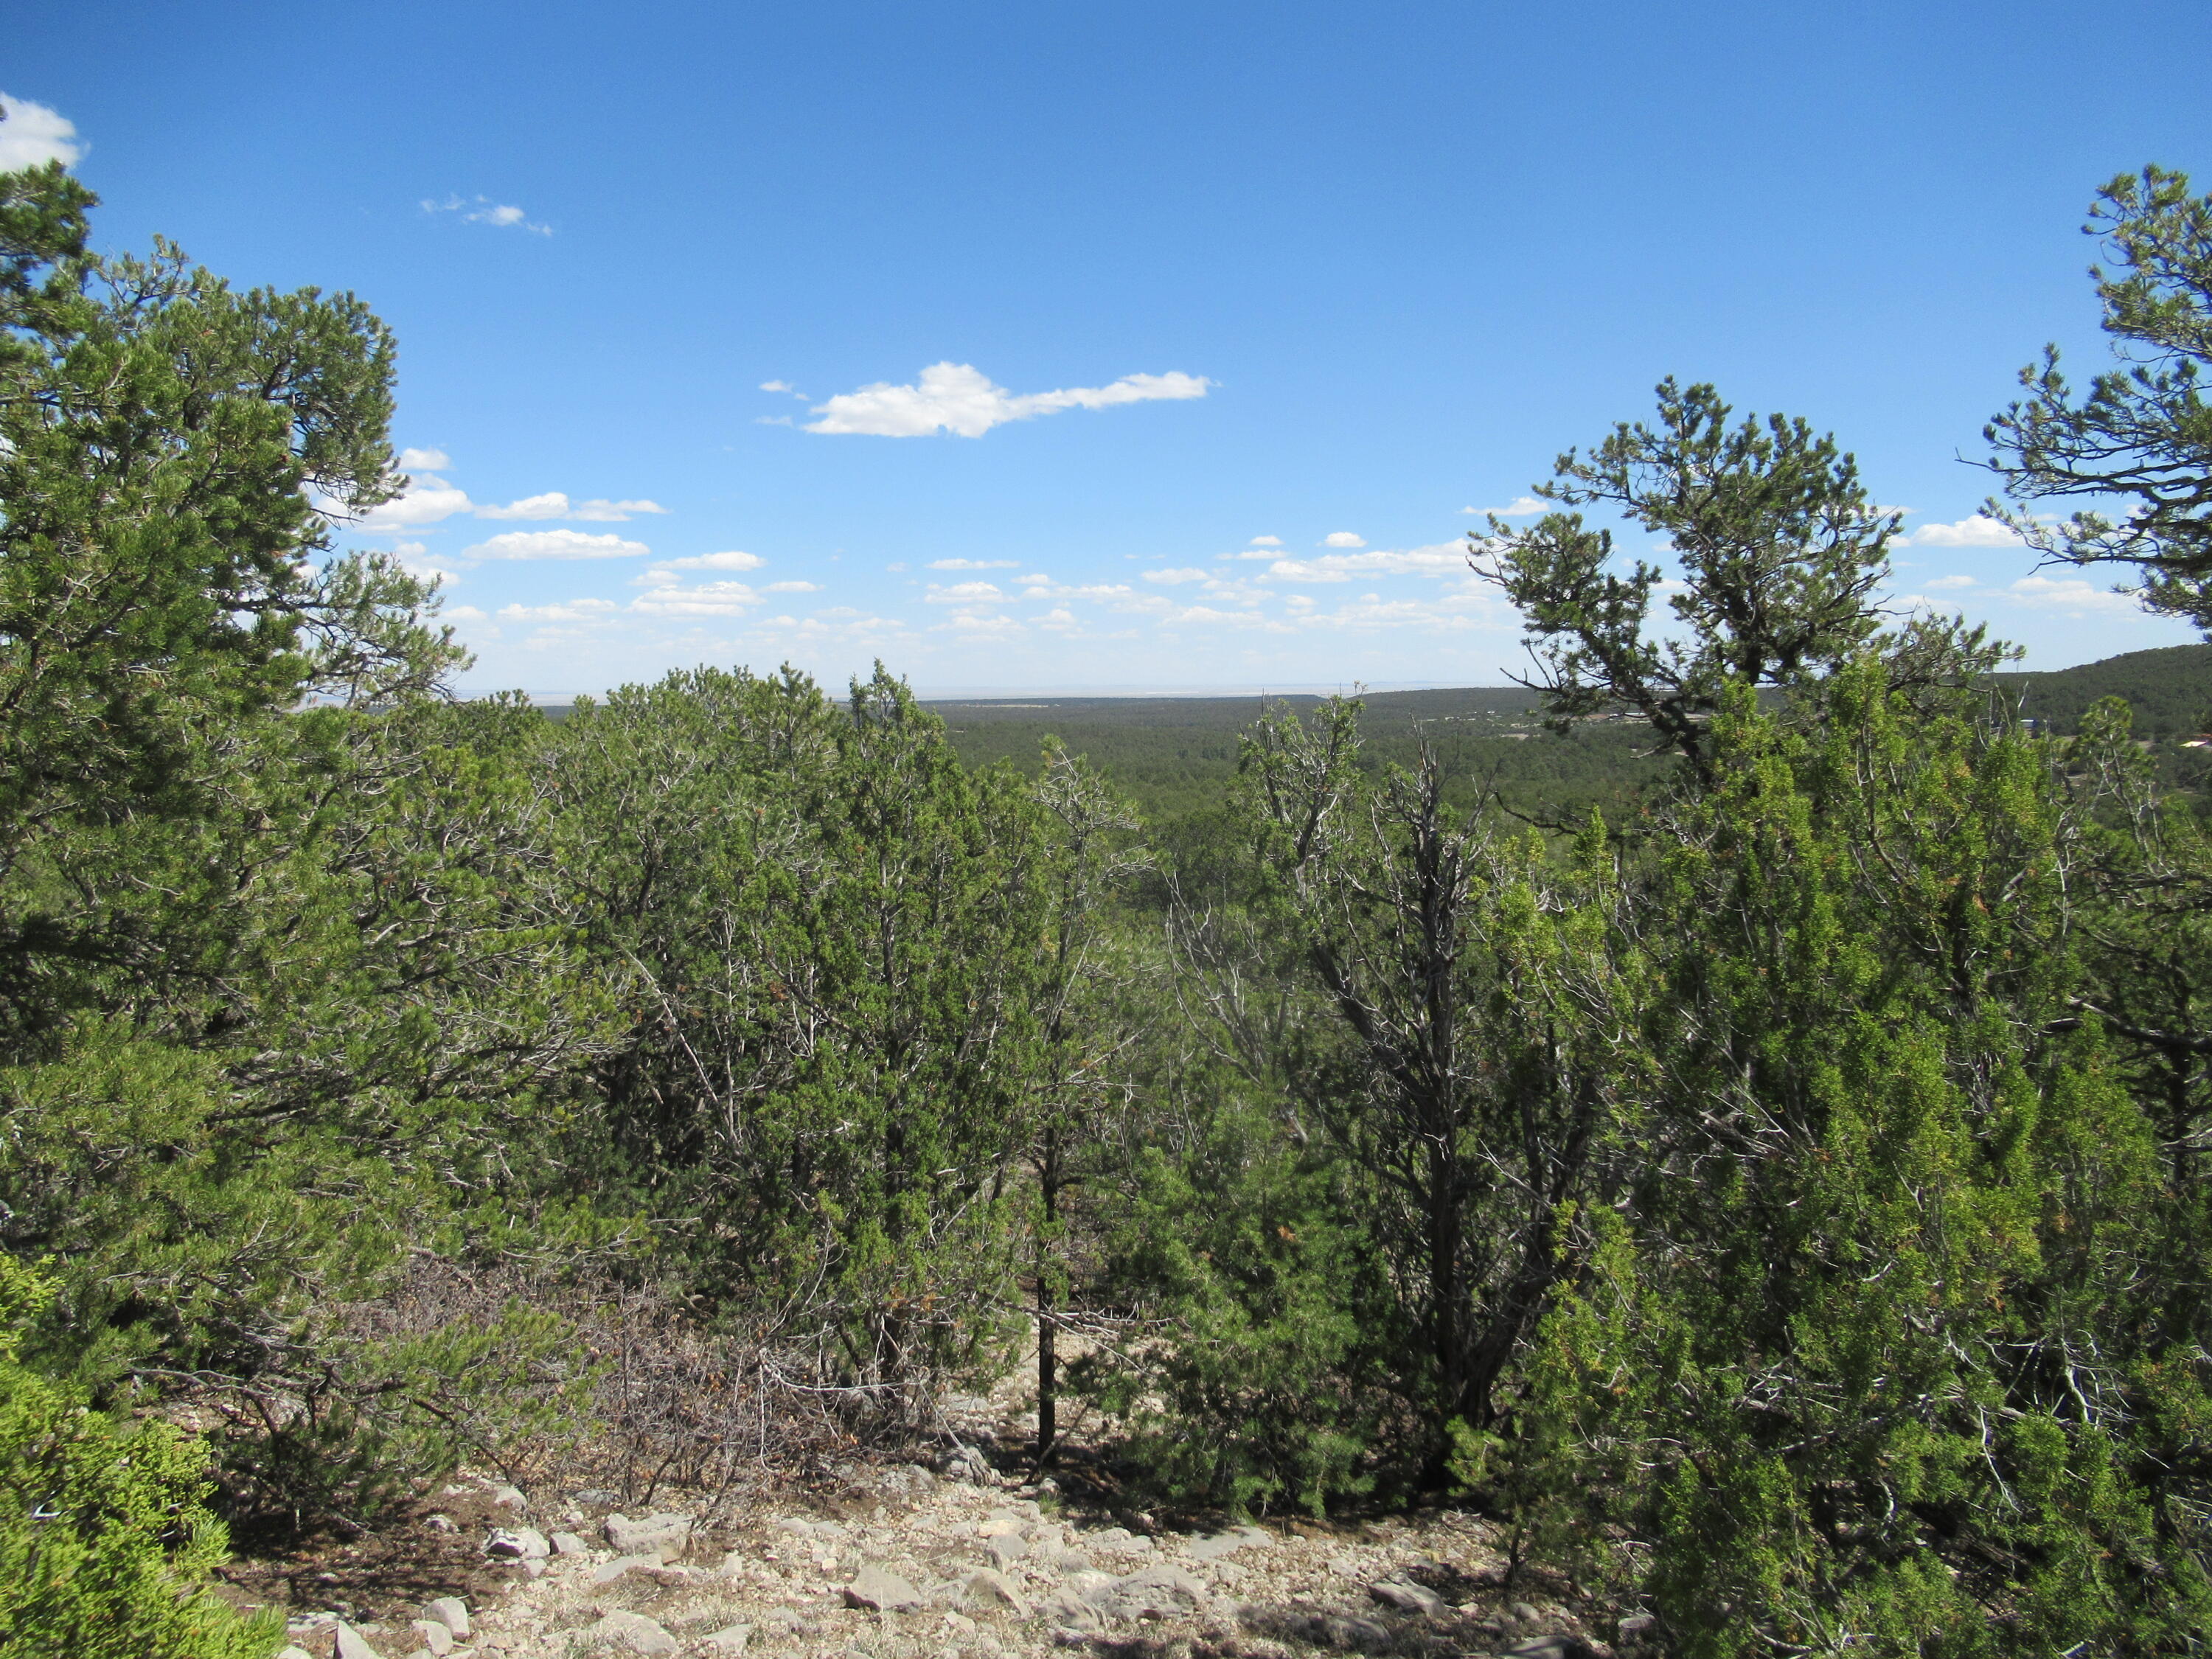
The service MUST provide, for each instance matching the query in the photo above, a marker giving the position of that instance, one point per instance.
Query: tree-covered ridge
(1733, 1111)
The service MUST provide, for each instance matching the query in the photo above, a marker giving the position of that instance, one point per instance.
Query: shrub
(104, 1540)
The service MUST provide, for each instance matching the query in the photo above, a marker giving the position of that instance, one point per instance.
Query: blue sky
(1192, 275)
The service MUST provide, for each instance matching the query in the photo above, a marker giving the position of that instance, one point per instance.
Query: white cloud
(959, 398)
(567, 611)
(556, 504)
(414, 560)
(1438, 559)
(965, 593)
(2071, 594)
(1523, 506)
(1176, 578)
(483, 210)
(424, 460)
(463, 613)
(1265, 541)
(980, 625)
(555, 544)
(794, 587)
(1343, 539)
(1949, 581)
(32, 135)
(427, 499)
(709, 600)
(730, 560)
(1976, 530)
(973, 564)
(598, 510)
(551, 505)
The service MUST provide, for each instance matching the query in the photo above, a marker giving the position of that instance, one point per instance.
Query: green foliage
(103, 1535)
(1268, 1385)
(830, 940)
(1780, 549)
(1859, 1360)
(2143, 434)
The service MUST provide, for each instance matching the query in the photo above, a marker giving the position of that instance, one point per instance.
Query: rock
(1005, 1549)
(1209, 1549)
(436, 1636)
(533, 1566)
(666, 1536)
(966, 1463)
(792, 1527)
(1069, 1612)
(621, 1566)
(1349, 1631)
(1160, 1592)
(522, 1544)
(731, 1640)
(294, 1653)
(450, 1612)
(596, 1497)
(877, 1591)
(1408, 1597)
(1636, 1624)
(1526, 1613)
(986, 1591)
(1107, 1538)
(438, 1521)
(352, 1645)
(510, 1498)
(1561, 1646)
(567, 1543)
(1061, 1560)
(1002, 1525)
(632, 1632)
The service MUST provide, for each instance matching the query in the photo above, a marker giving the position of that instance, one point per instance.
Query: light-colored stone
(631, 1632)
(1157, 1592)
(1002, 1525)
(731, 1640)
(1005, 1549)
(450, 1612)
(607, 1571)
(1409, 1597)
(878, 1591)
(511, 1499)
(666, 1536)
(517, 1544)
(436, 1636)
(1213, 1547)
(1070, 1611)
(568, 1543)
(294, 1653)
(1107, 1537)
(352, 1645)
(791, 1526)
(986, 1591)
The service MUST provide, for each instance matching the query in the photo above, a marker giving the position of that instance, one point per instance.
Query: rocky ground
(901, 1562)
(906, 1563)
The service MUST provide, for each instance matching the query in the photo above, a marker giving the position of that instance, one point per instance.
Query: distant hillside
(1178, 754)
(2170, 690)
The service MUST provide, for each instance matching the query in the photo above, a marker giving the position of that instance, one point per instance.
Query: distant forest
(1176, 755)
